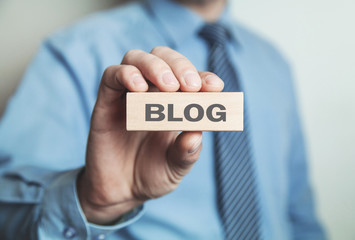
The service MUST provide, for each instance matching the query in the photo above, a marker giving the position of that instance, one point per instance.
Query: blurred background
(317, 36)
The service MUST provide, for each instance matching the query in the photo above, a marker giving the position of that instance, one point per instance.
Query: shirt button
(100, 237)
(69, 232)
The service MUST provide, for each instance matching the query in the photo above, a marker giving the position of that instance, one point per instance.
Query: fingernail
(170, 79)
(196, 146)
(138, 81)
(192, 79)
(212, 80)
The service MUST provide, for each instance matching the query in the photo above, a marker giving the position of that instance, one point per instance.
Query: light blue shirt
(44, 131)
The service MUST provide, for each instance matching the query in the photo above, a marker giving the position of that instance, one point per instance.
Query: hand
(124, 169)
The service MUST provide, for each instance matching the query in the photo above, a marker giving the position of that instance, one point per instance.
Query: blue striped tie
(234, 166)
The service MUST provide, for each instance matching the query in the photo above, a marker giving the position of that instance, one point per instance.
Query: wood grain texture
(158, 111)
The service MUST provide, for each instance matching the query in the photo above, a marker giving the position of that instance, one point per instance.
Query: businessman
(70, 170)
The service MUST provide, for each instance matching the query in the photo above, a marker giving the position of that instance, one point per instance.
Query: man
(46, 193)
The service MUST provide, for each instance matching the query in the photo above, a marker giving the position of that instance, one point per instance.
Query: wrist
(97, 210)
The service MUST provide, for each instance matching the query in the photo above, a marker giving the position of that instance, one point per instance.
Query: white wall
(318, 36)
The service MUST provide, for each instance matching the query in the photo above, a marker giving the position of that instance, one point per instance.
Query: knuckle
(156, 72)
(182, 65)
(156, 62)
(157, 65)
(181, 61)
(128, 71)
(119, 74)
(110, 71)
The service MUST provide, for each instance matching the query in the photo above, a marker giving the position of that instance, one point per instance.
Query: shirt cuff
(62, 214)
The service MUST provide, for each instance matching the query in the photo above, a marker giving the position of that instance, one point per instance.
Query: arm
(117, 177)
(42, 150)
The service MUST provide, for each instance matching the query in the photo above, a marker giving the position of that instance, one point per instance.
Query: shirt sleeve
(304, 222)
(42, 147)
(43, 204)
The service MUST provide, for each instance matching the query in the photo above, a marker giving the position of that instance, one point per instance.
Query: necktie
(237, 198)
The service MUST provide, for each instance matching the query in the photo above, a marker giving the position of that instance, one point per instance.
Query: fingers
(182, 68)
(165, 68)
(184, 153)
(170, 71)
(189, 78)
(154, 69)
(211, 82)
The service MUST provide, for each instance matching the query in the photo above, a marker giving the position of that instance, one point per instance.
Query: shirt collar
(180, 22)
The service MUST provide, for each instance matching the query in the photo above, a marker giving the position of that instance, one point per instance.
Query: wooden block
(182, 111)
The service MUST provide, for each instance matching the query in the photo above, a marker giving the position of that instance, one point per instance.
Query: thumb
(183, 153)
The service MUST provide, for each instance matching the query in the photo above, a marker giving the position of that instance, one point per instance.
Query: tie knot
(214, 33)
